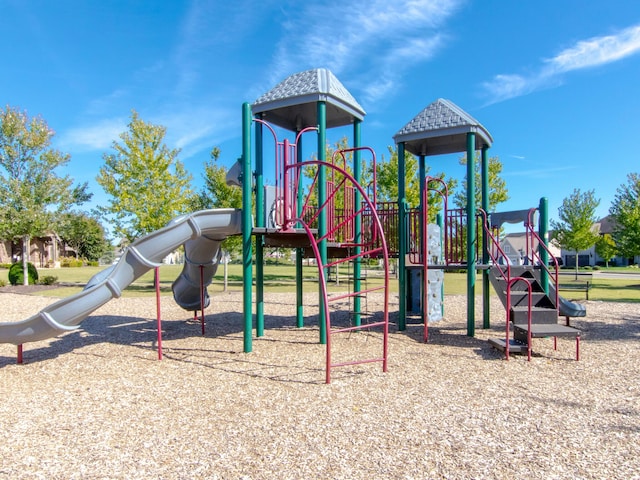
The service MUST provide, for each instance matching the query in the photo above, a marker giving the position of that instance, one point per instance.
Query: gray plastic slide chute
(201, 234)
(570, 309)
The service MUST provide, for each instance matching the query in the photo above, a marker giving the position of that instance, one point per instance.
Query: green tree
(147, 183)
(387, 179)
(498, 192)
(84, 234)
(574, 230)
(217, 194)
(32, 195)
(625, 210)
(606, 248)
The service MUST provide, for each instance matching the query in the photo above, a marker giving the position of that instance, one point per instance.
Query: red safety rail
(388, 215)
(287, 179)
(509, 284)
(495, 250)
(417, 219)
(341, 213)
(456, 236)
(373, 244)
(532, 254)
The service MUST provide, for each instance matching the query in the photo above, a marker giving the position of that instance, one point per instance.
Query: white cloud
(98, 136)
(588, 53)
(380, 40)
(597, 51)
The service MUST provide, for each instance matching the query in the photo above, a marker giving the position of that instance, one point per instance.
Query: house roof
(441, 128)
(292, 104)
(606, 225)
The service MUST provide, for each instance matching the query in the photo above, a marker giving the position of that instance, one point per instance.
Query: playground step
(538, 315)
(544, 330)
(514, 345)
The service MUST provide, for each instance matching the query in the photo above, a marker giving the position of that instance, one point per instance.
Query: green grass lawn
(281, 278)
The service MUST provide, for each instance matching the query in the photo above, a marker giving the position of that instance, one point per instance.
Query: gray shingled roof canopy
(441, 128)
(292, 104)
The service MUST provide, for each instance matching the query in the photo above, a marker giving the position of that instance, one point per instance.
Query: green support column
(259, 239)
(471, 233)
(299, 251)
(322, 197)
(357, 200)
(247, 273)
(486, 320)
(543, 232)
(402, 240)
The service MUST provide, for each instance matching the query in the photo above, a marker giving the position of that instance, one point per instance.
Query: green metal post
(402, 241)
(299, 251)
(543, 232)
(322, 197)
(259, 223)
(247, 273)
(357, 200)
(471, 233)
(486, 315)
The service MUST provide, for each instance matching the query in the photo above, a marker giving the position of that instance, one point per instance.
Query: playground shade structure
(200, 232)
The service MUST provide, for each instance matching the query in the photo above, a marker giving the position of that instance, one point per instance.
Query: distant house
(43, 252)
(514, 246)
(589, 257)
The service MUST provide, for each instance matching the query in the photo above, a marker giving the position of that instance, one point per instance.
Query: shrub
(16, 274)
(70, 262)
(48, 280)
(3, 282)
(6, 266)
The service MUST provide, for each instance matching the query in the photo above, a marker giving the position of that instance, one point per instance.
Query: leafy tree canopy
(625, 211)
(217, 194)
(574, 230)
(32, 194)
(606, 247)
(84, 234)
(147, 183)
(498, 192)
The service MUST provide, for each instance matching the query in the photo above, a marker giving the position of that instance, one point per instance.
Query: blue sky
(555, 82)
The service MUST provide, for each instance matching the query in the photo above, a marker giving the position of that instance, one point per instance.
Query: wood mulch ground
(97, 404)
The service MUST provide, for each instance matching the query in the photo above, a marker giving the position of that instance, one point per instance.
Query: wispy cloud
(545, 172)
(98, 136)
(380, 42)
(589, 53)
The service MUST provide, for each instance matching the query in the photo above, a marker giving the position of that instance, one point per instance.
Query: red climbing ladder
(356, 232)
(352, 232)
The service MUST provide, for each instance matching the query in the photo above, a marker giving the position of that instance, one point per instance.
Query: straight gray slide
(200, 232)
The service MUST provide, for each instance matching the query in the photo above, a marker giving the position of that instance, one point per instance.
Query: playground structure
(321, 207)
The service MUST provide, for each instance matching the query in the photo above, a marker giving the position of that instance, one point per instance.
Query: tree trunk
(25, 260)
(576, 265)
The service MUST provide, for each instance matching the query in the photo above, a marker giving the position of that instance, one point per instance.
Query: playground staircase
(531, 312)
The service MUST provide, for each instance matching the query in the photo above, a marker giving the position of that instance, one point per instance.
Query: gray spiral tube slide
(200, 232)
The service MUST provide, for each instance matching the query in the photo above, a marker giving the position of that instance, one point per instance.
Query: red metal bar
(202, 297)
(158, 317)
(578, 348)
(349, 295)
(353, 257)
(19, 358)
